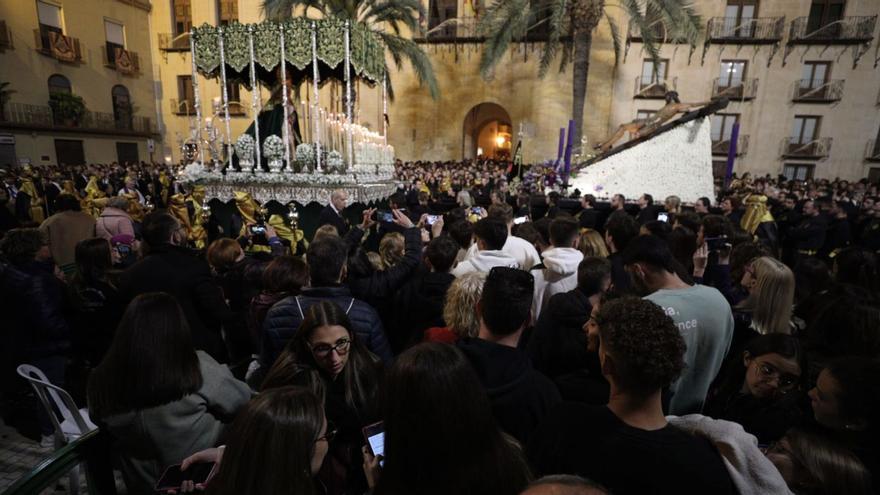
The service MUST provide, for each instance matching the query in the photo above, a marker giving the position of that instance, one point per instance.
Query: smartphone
(384, 216)
(717, 243)
(432, 219)
(258, 229)
(519, 220)
(375, 435)
(663, 217)
(173, 477)
(476, 210)
(123, 249)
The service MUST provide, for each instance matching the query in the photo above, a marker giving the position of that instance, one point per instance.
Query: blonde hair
(772, 299)
(375, 260)
(460, 310)
(325, 230)
(391, 249)
(673, 204)
(592, 244)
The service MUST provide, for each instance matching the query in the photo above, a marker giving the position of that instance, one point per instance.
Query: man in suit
(332, 213)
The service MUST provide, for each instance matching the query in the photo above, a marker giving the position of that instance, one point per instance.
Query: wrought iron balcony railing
(183, 107)
(722, 147)
(170, 42)
(121, 60)
(815, 149)
(465, 30)
(872, 151)
(745, 31)
(848, 30)
(41, 117)
(746, 89)
(59, 46)
(634, 32)
(648, 87)
(809, 91)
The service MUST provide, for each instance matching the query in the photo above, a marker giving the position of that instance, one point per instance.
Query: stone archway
(487, 132)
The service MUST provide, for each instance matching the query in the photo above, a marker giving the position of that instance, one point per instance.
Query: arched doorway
(121, 107)
(487, 132)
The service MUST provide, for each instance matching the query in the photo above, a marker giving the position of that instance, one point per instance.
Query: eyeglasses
(324, 350)
(786, 381)
(329, 435)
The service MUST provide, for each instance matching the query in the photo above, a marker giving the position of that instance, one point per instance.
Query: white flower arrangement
(305, 156)
(335, 163)
(273, 147)
(244, 148)
(195, 172)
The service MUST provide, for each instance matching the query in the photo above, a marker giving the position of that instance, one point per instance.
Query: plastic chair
(73, 422)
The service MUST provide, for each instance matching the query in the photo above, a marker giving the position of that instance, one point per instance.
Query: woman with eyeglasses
(760, 388)
(351, 375)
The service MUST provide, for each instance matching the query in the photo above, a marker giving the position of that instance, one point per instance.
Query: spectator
(522, 251)
(768, 307)
(588, 218)
(761, 387)
(701, 314)
(702, 206)
(332, 213)
(284, 276)
(558, 272)
(628, 446)
(417, 459)
(288, 420)
(158, 397)
(564, 484)
(491, 235)
(856, 265)
(391, 249)
(647, 210)
(591, 244)
(114, 219)
(65, 229)
(460, 310)
(462, 232)
(171, 267)
(327, 270)
(520, 396)
(618, 203)
(619, 231)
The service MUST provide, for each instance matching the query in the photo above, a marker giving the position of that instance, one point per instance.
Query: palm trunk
(583, 41)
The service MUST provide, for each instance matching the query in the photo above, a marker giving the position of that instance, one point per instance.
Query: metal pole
(225, 95)
(348, 113)
(316, 114)
(284, 131)
(255, 100)
(196, 103)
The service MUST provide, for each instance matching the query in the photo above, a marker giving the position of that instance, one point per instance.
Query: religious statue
(641, 127)
(271, 120)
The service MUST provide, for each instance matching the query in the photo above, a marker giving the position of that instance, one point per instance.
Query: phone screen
(519, 220)
(375, 435)
(386, 216)
(663, 217)
(431, 219)
(174, 477)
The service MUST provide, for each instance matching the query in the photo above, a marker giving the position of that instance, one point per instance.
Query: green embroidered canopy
(367, 53)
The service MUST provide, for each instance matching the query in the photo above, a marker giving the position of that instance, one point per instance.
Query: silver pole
(255, 99)
(196, 103)
(315, 113)
(225, 95)
(348, 113)
(284, 130)
(385, 108)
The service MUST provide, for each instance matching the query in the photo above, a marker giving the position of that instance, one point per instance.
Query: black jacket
(284, 319)
(34, 325)
(520, 395)
(329, 216)
(187, 277)
(619, 277)
(418, 306)
(809, 235)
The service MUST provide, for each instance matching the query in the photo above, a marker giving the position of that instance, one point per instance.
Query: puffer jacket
(284, 319)
(112, 222)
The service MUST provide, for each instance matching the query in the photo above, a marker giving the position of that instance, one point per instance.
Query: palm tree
(376, 15)
(570, 24)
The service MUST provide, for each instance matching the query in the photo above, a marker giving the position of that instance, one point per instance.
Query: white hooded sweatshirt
(521, 250)
(559, 274)
(483, 261)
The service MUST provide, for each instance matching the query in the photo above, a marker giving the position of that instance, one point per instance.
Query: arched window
(121, 107)
(58, 84)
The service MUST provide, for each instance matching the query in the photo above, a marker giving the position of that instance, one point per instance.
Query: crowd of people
(504, 339)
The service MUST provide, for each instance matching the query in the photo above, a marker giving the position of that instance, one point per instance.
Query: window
(798, 171)
(722, 126)
(58, 84)
(233, 96)
(805, 129)
(440, 11)
(227, 11)
(186, 103)
(121, 107)
(115, 35)
(733, 72)
(182, 16)
(654, 73)
(823, 13)
(719, 169)
(738, 18)
(49, 16)
(645, 114)
(815, 74)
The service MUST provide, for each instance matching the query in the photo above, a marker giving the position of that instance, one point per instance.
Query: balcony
(183, 107)
(846, 31)
(722, 147)
(40, 118)
(123, 61)
(651, 88)
(872, 151)
(635, 33)
(816, 149)
(809, 91)
(58, 46)
(747, 89)
(730, 30)
(5, 37)
(169, 42)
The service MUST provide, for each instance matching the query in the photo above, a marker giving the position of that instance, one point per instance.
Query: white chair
(72, 423)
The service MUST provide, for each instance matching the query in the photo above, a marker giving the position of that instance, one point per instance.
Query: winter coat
(418, 305)
(556, 274)
(112, 222)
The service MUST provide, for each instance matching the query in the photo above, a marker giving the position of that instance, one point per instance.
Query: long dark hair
(150, 362)
(734, 372)
(440, 435)
(271, 445)
(93, 261)
(360, 375)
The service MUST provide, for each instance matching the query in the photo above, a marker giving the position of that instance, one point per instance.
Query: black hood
(501, 369)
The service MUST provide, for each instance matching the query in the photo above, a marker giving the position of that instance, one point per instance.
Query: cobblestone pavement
(18, 455)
